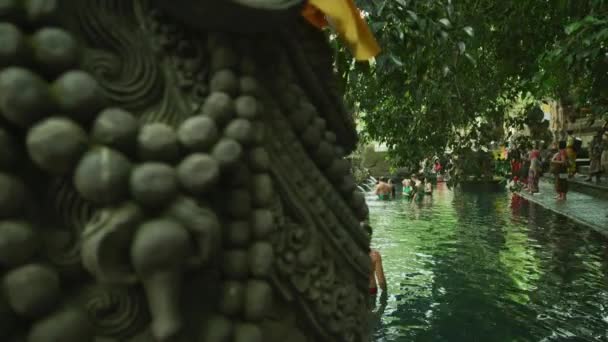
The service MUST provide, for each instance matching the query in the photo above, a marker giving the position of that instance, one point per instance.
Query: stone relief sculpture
(174, 171)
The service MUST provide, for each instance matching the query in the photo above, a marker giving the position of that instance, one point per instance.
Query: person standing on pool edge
(376, 277)
(571, 152)
(560, 163)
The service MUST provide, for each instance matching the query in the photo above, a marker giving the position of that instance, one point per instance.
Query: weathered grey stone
(195, 188)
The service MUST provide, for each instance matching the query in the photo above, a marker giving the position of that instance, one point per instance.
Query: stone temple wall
(174, 171)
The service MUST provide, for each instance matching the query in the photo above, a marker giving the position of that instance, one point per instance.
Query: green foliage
(577, 64)
(451, 69)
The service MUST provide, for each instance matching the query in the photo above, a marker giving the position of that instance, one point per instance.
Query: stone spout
(159, 252)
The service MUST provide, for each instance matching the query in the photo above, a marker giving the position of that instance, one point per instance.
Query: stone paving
(581, 179)
(584, 209)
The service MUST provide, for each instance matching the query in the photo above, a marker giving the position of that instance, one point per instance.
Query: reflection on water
(488, 267)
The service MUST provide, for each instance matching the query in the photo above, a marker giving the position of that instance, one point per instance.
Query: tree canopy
(450, 69)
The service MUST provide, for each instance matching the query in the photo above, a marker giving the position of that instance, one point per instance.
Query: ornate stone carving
(167, 179)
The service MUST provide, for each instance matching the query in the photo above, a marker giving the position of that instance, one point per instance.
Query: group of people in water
(413, 188)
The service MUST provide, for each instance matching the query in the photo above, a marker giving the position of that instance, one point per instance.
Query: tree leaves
(462, 47)
(449, 66)
(469, 31)
(445, 22)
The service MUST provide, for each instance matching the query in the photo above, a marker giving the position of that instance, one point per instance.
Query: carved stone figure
(174, 171)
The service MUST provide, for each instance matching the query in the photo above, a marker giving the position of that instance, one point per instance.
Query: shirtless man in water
(383, 189)
(376, 277)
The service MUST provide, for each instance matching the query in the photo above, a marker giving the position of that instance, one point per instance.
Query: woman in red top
(438, 167)
(515, 158)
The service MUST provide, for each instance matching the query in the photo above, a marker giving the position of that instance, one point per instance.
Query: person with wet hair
(408, 190)
(383, 189)
(376, 277)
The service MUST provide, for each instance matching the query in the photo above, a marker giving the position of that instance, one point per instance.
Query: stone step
(589, 188)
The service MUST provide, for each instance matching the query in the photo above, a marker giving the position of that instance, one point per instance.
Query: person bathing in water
(376, 277)
(383, 189)
(428, 187)
(408, 190)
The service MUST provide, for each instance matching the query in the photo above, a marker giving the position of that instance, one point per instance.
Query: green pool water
(487, 267)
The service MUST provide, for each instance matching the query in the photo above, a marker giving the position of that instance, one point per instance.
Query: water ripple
(488, 267)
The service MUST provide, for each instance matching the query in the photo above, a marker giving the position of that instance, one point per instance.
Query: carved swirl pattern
(119, 58)
(117, 312)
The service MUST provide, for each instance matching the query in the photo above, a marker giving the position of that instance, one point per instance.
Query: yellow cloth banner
(346, 19)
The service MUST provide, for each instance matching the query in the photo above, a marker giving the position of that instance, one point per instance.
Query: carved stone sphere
(56, 144)
(41, 12)
(79, 95)
(246, 107)
(219, 106)
(18, 243)
(158, 142)
(116, 128)
(249, 86)
(240, 130)
(159, 245)
(55, 49)
(102, 176)
(32, 290)
(24, 97)
(198, 133)
(225, 81)
(227, 152)
(13, 47)
(198, 173)
(153, 184)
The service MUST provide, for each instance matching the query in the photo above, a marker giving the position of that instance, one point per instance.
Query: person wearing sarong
(524, 169)
(418, 188)
(535, 170)
(604, 159)
(515, 159)
(571, 152)
(560, 170)
(595, 157)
